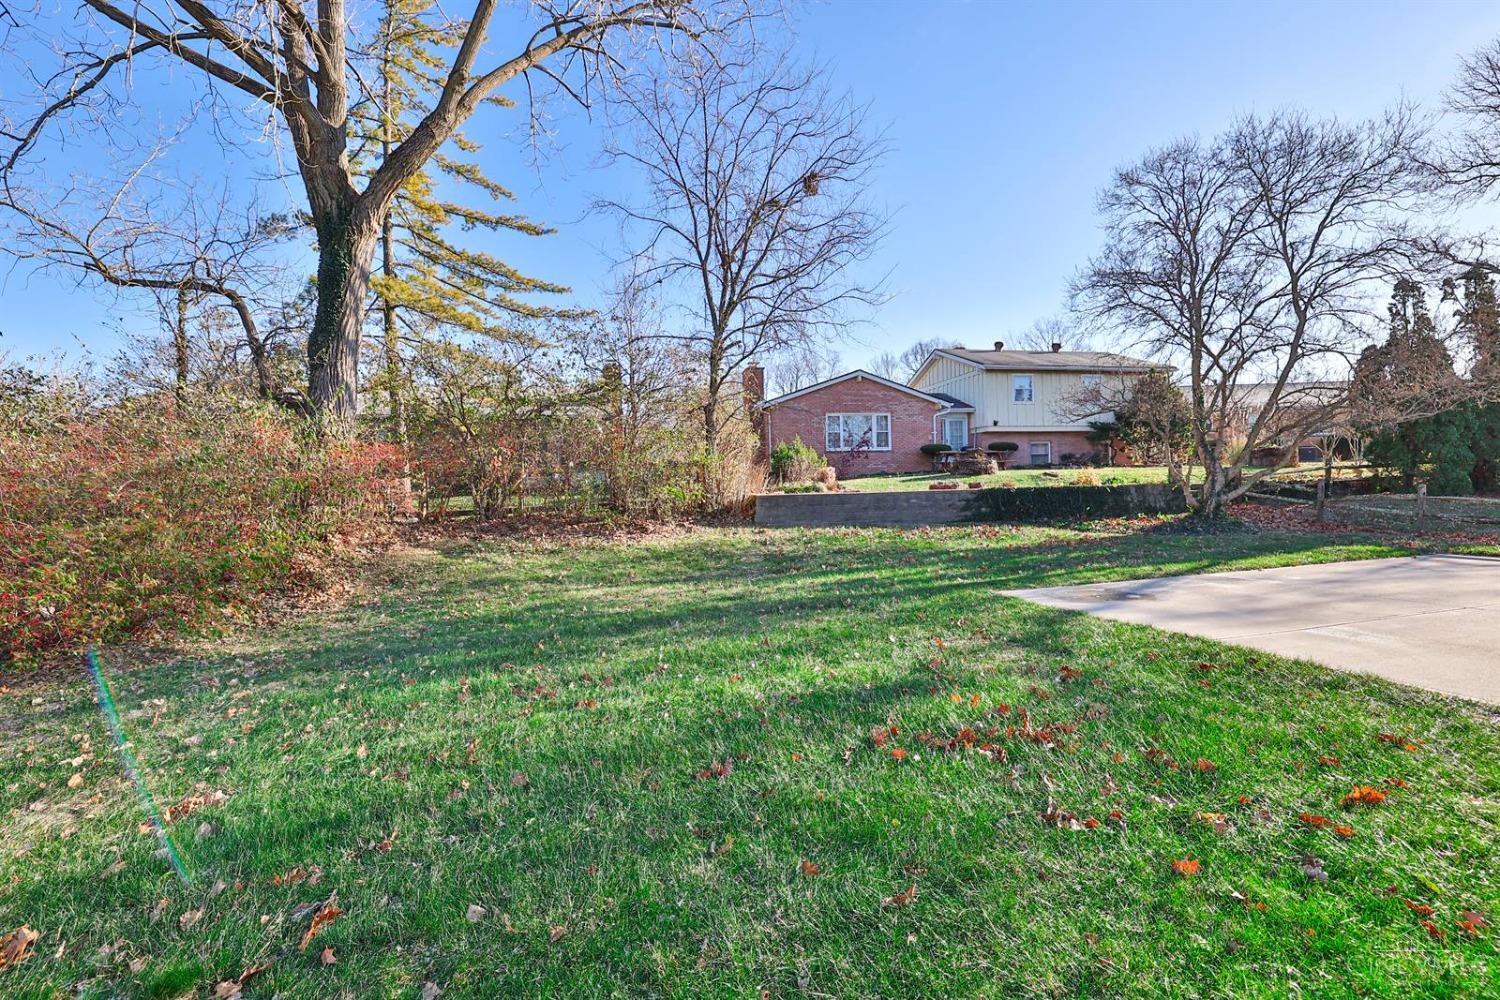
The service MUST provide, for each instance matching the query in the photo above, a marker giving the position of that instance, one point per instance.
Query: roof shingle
(1053, 360)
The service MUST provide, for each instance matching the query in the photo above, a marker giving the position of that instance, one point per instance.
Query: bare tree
(800, 366)
(303, 63)
(182, 253)
(887, 365)
(911, 359)
(1257, 263)
(1050, 330)
(1470, 160)
(754, 212)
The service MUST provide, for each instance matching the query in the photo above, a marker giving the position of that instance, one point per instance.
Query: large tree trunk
(346, 249)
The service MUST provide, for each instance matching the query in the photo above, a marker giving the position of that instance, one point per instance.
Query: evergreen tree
(1479, 321)
(431, 284)
(1440, 444)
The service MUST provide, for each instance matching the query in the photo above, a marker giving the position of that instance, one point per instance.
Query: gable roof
(942, 399)
(1091, 361)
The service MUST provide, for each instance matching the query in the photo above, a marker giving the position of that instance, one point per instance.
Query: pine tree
(431, 282)
(1442, 443)
(1479, 321)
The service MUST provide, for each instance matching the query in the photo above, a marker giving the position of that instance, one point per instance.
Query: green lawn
(624, 752)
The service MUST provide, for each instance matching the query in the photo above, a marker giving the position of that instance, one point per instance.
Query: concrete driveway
(1429, 621)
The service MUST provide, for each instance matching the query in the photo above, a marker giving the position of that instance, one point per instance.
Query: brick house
(863, 423)
(860, 423)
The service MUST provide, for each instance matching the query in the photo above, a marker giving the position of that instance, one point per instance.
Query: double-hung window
(847, 431)
(1020, 389)
(1041, 453)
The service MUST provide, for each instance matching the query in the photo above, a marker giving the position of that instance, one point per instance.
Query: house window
(1041, 453)
(956, 432)
(1020, 388)
(847, 431)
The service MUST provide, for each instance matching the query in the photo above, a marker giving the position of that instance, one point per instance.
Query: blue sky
(1004, 120)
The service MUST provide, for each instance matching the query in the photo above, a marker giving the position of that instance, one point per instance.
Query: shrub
(131, 518)
(1051, 503)
(1005, 447)
(935, 448)
(794, 461)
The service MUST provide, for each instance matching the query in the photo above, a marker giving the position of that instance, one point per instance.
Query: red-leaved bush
(132, 518)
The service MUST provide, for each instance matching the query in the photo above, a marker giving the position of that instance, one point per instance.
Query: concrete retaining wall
(924, 507)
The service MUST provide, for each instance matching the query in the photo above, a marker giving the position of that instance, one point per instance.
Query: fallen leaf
(1363, 795)
(1344, 830)
(189, 918)
(1313, 868)
(76, 781)
(431, 991)
(15, 947)
(1204, 764)
(898, 753)
(556, 933)
(519, 780)
(903, 898)
(1246, 901)
(1434, 931)
(1186, 867)
(716, 769)
(193, 803)
(475, 913)
(1471, 923)
(808, 868)
(327, 914)
(1420, 909)
(1219, 822)
(327, 956)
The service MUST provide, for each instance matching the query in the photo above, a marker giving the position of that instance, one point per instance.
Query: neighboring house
(1309, 414)
(863, 423)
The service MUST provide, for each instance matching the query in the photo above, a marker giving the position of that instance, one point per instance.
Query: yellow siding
(989, 392)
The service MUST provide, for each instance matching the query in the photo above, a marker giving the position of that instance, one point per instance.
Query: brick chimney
(999, 345)
(754, 381)
(1056, 346)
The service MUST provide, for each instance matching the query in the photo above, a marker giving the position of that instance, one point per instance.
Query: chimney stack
(755, 385)
(999, 345)
(1056, 346)
(754, 382)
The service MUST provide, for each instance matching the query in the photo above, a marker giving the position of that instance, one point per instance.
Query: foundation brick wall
(1063, 443)
(911, 425)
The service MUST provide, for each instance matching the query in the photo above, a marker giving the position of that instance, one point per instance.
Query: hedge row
(1081, 502)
